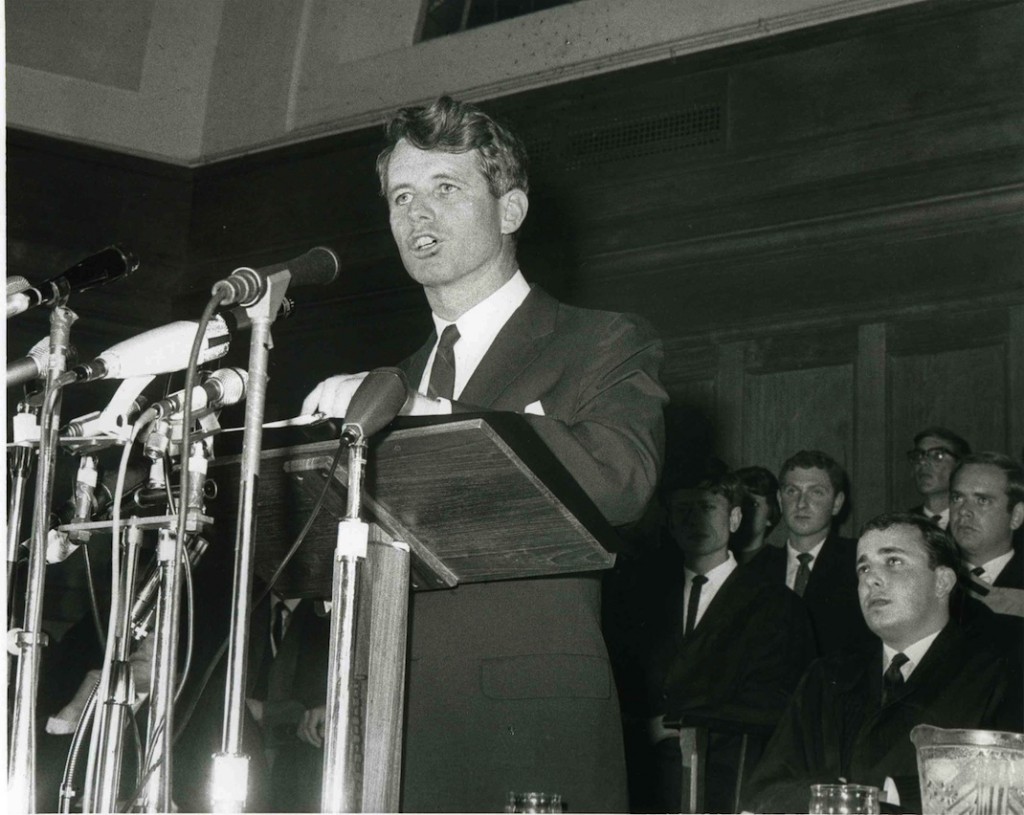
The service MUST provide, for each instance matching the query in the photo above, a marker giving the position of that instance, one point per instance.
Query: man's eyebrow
(885, 550)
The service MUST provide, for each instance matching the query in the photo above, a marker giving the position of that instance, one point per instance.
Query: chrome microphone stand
(343, 772)
(30, 640)
(230, 776)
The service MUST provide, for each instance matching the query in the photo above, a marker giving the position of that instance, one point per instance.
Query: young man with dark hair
(852, 714)
(509, 682)
(816, 562)
(934, 457)
(732, 651)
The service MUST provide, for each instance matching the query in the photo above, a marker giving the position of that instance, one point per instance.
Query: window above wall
(443, 17)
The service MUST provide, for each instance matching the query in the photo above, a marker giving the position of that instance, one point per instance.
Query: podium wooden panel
(477, 497)
(473, 498)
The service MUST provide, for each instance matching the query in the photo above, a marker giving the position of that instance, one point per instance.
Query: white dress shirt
(477, 329)
(716, 577)
(914, 654)
(792, 564)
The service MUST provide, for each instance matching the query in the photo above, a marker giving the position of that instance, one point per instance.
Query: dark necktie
(978, 571)
(442, 374)
(803, 573)
(892, 679)
(691, 604)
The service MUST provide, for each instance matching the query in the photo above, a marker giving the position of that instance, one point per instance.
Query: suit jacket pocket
(544, 676)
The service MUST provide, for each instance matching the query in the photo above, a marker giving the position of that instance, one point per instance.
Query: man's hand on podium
(332, 396)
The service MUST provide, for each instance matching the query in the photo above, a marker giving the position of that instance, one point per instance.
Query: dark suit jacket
(1012, 575)
(509, 682)
(744, 659)
(837, 727)
(831, 594)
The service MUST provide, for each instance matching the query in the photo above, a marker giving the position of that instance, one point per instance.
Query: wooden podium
(461, 499)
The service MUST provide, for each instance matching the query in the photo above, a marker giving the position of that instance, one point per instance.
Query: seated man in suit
(734, 647)
(816, 562)
(936, 453)
(510, 686)
(988, 507)
(852, 715)
(760, 515)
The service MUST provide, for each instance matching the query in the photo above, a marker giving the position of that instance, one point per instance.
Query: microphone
(224, 387)
(33, 365)
(246, 286)
(105, 266)
(17, 283)
(377, 401)
(162, 350)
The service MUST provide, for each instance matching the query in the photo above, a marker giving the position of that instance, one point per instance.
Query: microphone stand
(343, 769)
(171, 551)
(230, 774)
(19, 465)
(117, 693)
(29, 641)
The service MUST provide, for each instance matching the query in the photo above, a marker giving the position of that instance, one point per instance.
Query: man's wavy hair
(815, 459)
(459, 127)
(938, 543)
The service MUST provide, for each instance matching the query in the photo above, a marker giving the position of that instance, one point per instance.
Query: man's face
(930, 475)
(701, 521)
(981, 518)
(902, 598)
(448, 227)
(808, 501)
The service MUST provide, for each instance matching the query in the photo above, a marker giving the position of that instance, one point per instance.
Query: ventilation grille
(696, 128)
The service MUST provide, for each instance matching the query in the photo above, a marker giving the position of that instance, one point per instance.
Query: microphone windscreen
(377, 400)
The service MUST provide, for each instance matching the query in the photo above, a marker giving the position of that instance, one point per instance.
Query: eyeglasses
(936, 454)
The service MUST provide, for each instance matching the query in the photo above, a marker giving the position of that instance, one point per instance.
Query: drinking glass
(844, 799)
(533, 802)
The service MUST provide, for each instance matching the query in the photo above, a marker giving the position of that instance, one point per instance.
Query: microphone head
(377, 400)
(232, 382)
(319, 266)
(107, 265)
(17, 284)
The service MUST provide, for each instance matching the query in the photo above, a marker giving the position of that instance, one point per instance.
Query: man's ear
(1017, 515)
(945, 580)
(514, 206)
(837, 503)
(735, 518)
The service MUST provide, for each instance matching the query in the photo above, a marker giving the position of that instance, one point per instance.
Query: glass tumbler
(533, 802)
(844, 799)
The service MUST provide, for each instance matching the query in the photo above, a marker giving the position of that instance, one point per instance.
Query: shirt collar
(792, 552)
(914, 652)
(993, 567)
(482, 322)
(717, 576)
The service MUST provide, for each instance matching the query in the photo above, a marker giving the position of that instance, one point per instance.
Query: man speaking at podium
(510, 687)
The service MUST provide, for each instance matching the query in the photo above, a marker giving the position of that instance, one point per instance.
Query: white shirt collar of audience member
(716, 578)
(992, 568)
(792, 564)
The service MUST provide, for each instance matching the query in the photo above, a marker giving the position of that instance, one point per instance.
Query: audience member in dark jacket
(852, 715)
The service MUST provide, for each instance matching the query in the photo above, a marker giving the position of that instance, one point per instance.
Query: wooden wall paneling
(692, 426)
(1015, 383)
(730, 403)
(809, 409)
(871, 470)
(964, 389)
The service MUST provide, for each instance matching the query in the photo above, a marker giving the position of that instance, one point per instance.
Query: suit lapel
(517, 345)
(414, 366)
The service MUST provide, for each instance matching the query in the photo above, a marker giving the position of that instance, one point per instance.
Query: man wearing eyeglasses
(936, 453)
